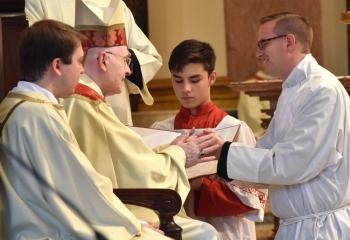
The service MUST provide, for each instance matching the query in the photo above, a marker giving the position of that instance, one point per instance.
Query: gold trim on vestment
(9, 114)
(99, 27)
(31, 99)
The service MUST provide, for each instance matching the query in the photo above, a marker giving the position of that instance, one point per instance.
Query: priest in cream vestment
(146, 61)
(115, 150)
(34, 127)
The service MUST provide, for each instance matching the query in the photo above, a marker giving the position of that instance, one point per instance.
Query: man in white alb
(304, 156)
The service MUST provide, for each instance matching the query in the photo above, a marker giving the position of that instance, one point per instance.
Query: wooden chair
(165, 202)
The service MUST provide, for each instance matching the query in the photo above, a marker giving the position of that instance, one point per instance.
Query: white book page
(154, 137)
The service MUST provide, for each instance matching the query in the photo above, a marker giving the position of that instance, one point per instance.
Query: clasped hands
(202, 147)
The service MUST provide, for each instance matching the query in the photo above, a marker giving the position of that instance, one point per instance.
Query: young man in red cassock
(231, 207)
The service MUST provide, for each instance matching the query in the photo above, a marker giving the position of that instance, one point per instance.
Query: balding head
(108, 67)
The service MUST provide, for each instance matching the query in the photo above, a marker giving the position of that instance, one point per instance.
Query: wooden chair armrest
(165, 202)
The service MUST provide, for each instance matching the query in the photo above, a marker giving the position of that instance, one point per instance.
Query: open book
(154, 137)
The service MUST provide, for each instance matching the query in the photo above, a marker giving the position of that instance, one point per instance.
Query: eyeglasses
(127, 60)
(264, 42)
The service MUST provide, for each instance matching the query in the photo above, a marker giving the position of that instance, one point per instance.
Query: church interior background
(228, 25)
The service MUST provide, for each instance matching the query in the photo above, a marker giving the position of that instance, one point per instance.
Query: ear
(212, 78)
(56, 66)
(291, 41)
(102, 57)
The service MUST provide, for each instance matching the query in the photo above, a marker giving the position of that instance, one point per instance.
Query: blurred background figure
(249, 107)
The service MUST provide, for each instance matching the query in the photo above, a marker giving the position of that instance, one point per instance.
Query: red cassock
(214, 198)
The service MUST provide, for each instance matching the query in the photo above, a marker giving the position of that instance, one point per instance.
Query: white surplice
(234, 227)
(304, 156)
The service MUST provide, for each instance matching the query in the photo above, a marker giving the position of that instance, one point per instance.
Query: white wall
(171, 22)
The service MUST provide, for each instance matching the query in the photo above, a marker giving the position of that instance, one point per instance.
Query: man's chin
(65, 94)
(272, 74)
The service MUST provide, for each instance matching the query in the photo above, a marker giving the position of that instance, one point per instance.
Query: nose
(258, 53)
(128, 71)
(187, 87)
(82, 69)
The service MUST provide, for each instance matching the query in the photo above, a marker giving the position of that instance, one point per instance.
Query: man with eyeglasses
(113, 149)
(145, 63)
(304, 155)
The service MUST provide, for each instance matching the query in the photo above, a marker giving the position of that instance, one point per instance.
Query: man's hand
(191, 148)
(183, 137)
(214, 143)
(203, 148)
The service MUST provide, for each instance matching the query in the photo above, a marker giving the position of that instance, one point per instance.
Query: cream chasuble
(97, 128)
(119, 153)
(38, 132)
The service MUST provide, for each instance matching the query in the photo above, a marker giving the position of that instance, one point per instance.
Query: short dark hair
(192, 51)
(44, 41)
(287, 22)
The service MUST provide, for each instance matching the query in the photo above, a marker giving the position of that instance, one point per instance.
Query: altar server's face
(192, 85)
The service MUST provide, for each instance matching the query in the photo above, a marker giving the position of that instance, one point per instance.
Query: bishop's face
(117, 63)
(192, 85)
